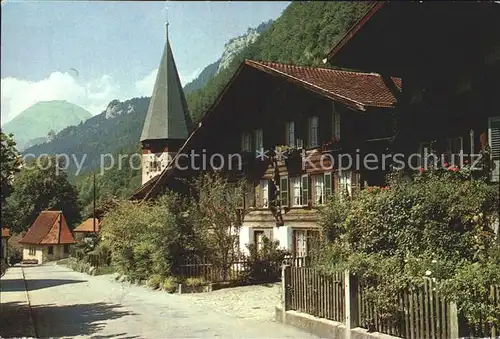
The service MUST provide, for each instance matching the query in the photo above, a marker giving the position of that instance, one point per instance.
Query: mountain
(34, 123)
(117, 127)
(205, 75)
(231, 48)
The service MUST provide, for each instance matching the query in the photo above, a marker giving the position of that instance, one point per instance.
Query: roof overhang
(404, 38)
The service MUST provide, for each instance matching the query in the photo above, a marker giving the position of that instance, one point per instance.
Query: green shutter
(284, 191)
(305, 190)
(328, 185)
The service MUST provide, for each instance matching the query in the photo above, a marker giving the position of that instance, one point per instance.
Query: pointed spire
(167, 116)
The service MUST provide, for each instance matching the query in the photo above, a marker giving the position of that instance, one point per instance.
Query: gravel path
(71, 304)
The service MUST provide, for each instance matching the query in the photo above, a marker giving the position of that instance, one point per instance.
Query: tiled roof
(88, 226)
(359, 89)
(5, 233)
(49, 228)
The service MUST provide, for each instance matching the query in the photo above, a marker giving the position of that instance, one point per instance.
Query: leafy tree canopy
(41, 185)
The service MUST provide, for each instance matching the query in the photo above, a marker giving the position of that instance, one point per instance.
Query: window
(32, 250)
(246, 142)
(319, 189)
(284, 191)
(66, 248)
(335, 124)
(51, 250)
(264, 189)
(259, 139)
(313, 132)
(296, 191)
(322, 188)
(455, 148)
(299, 187)
(258, 238)
(290, 133)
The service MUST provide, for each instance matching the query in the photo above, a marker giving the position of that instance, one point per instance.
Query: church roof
(49, 228)
(167, 116)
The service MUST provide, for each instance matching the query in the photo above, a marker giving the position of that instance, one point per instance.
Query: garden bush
(169, 284)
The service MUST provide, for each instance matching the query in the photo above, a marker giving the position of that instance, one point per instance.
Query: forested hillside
(303, 35)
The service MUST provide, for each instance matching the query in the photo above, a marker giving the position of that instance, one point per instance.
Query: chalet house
(3, 243)
(309, 112)
(448, 55)
(86, 228)
(49, 238)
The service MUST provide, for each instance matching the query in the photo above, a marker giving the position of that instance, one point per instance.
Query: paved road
(71, 304)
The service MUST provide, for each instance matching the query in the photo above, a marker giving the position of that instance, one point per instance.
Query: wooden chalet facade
(448, 55)
(316, 114)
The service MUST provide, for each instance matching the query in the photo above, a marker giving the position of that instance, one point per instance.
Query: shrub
(437, 226)
(169, 284)
(148, 239)
(155, 281)
(265, 264)
(195, 282)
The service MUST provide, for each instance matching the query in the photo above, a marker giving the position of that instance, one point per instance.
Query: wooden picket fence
(422, 312)
(237, 269)
(316, 294)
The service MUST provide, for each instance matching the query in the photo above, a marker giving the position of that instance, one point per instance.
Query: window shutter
(284, 191)
(494, 137)
(313, 189)
(305, 190)
(328, 185)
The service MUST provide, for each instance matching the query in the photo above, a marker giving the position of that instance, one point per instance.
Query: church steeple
(167, 121)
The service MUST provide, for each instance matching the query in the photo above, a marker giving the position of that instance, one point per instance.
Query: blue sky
(115, 46)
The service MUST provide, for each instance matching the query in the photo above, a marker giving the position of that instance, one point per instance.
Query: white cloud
(145, 85)
(17, 94)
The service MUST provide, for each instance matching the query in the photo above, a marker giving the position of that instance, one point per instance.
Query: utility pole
(93, 219)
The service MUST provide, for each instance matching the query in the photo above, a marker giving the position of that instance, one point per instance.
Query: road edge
(31, 319)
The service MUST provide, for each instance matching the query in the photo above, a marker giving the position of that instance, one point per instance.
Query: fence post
(285, 274)
(453, 321)
(350, 302)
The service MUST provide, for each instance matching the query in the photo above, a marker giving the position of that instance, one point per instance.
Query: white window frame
(259, 139)
(313, 131)
(264, 187)
(32, 250)
(296, 191)
(246, 142)
(290, 133)
(335, 123)
(319, 189)
(300, 239)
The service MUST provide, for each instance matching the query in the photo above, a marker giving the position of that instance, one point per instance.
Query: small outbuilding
(49, 238)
